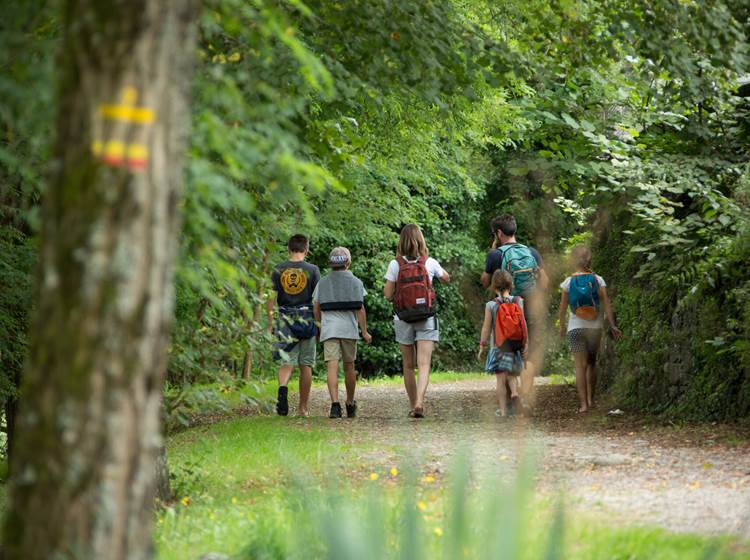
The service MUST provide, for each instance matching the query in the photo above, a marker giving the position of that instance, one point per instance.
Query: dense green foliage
(614, 120)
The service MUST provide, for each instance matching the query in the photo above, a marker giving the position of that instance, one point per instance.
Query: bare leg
(581, 361)
(285, 374)
(424, 360)
(502, 395)
(305, 383)
(591, 379)
(410, 382)
(350, 379)
(513, 385)
(333, 379)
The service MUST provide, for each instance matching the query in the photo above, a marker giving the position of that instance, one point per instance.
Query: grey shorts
(584, 340)
(409, 333)
(301, 354)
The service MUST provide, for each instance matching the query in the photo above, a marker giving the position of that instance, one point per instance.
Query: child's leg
(305, 384)
(350, 379)
(424, 360)
(285, 374)
(591, 378)
(581, 363)
(513, 385)
(332, 367)
(502, 395)
(410, 382)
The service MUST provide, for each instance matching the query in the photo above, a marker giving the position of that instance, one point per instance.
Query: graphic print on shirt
(293, 280)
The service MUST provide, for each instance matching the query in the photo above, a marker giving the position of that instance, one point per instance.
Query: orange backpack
(510, 323)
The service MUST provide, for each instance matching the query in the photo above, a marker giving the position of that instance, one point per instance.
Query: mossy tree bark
(88, 433)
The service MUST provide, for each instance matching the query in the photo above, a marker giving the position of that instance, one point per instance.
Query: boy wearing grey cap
(338, 303)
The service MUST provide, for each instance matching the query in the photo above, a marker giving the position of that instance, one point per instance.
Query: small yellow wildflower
(438, 531)
(429, 478)
(394, 471)
(374, 476)
(186, 501)
(234, 500)
(421, 506)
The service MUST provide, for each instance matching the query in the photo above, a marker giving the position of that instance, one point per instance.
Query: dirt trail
(687, 480)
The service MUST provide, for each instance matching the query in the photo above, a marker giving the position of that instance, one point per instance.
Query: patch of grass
(284, 488)
(435, 377)
(561, 379)
(230, 480)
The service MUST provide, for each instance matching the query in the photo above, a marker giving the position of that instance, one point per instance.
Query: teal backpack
(518, 260)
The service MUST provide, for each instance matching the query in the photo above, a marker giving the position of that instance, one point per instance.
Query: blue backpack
(518, 260)
(583, 296)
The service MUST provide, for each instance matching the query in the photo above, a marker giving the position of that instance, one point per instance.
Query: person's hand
(615, 332)
(368, 337)
(494, 243)
(479, 354)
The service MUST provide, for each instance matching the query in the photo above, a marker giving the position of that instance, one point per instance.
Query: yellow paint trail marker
(127, 110)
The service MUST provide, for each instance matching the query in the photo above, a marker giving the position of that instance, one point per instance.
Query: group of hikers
(331, 310)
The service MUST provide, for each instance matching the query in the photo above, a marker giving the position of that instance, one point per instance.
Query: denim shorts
(409, 333)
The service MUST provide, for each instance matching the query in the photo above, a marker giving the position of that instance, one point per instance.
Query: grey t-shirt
(337, 324)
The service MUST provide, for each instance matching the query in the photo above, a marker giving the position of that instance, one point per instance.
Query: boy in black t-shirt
(293, 282)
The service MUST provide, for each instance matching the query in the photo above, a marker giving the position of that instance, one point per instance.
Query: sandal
(418, 412)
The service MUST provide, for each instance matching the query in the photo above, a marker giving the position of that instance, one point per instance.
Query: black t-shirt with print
(294, 282)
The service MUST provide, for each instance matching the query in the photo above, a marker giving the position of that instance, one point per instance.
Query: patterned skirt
(508, 362)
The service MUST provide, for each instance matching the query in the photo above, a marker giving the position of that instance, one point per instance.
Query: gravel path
(692, 479)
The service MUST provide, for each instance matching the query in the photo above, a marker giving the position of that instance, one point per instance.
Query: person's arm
(362, 319)
(563, 313)
(524, 327)
(542, 280)
(485, 333)
(316, 311)
(604, 297)
(490, 266)
(389, 290)
(445, 277)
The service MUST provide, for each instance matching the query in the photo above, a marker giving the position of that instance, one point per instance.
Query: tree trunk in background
(88, 431)
(163, 485)
(255, 327)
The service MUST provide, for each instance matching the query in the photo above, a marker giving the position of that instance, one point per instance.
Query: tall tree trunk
(247, 365)
(88, 431)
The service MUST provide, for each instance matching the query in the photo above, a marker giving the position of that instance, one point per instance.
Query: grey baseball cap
(340, 256)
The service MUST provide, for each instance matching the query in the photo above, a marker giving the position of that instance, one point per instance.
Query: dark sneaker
(335, 410)
(351, 410)
(282, 403)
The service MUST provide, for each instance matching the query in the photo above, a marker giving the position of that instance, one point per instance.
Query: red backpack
(510, 323)
(415, 298)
